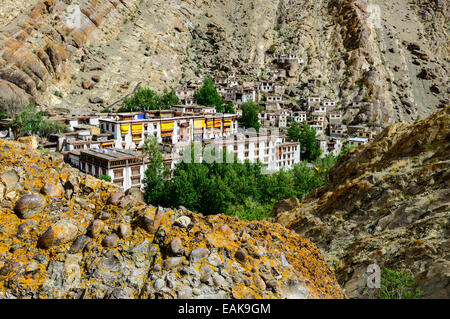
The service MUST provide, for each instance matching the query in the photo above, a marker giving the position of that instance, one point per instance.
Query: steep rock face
(387, 202)
(79, 237)
(392, 55)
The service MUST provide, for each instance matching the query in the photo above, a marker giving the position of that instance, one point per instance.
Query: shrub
(209, 96)
(272, 49)
(105, 178)
(146, 99)
(249, 116)
(29, 122)
(397, 285)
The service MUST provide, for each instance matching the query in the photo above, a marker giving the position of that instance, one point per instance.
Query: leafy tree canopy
(209, 96)
(31, 122)
(237, 189)
(306, 135)
(249, 116)
(147, 100)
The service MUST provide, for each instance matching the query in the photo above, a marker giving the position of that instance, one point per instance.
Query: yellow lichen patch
(270, 250)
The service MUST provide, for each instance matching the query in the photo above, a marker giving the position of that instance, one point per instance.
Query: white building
(299, 117)
(130, 129)
(288, 58)
(356, 141)
(125, 168)
(266, 86)
(271, 151)
(313, 100)
(328, 103)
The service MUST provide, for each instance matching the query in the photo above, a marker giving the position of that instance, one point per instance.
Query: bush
(146, 100)
(347, 148)
(105, 178)
(307, 136)
(31, 122)
(46, 128)
(209, 96)
(272, 49)
(3, 113)
(397, 285)
(249, 116)
(237, 189)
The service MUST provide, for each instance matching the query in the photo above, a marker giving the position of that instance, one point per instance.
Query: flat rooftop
(111, 154)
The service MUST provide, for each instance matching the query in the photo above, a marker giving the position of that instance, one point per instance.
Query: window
(136, 171)
(135, 180)
(118, 173)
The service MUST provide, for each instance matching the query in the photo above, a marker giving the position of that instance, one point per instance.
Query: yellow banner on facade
(125, 128)
(167, 126)
(136, 128)
(199, 124)
(218, 123)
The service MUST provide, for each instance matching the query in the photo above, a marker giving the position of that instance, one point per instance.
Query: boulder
(137, 194)
(110, 241)
(10, 178)
(79, 244)
(172, 262)
(241, 255)
(59, 234)
(199, 254)
(175, 245)
(114, 199)
(95, 228)
(51, 190)
(29, 206)
(183, 221)
(31, 141)
(124, 231)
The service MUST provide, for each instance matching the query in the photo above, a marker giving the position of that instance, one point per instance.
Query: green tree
(293, 132)
(397, 285)
(347, 148)
(147, 100)
(143, 100)
(209, 96)
(306, 135)
(169, 99)
(229, 108)
(249, 116)
(2, 112)
(156, 173)
(105, 178)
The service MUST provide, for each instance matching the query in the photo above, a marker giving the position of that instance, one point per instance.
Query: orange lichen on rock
(165, 253)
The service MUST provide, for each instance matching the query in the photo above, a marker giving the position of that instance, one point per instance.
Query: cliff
(387, 202)
(64, 234)
(83, 55)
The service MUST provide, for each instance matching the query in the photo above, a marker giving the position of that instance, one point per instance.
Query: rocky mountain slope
(80, 55)
(64, 234)
(387, 202)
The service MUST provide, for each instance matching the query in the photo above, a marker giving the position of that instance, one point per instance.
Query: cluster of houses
(112, 144)
(282, 106)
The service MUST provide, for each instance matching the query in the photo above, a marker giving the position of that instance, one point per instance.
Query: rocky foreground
(387, 202)
(64, 234)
